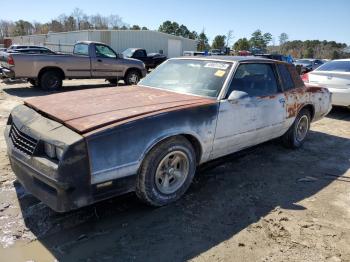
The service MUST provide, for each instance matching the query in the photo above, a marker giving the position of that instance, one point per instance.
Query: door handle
(99, 60)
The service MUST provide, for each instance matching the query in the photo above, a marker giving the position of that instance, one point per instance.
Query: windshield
(197, 77)
(128, 52)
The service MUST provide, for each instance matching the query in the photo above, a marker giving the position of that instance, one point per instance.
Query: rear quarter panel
(118, 151)
(317, 97)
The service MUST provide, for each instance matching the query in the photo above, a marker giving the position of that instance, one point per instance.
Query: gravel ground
(268, 204)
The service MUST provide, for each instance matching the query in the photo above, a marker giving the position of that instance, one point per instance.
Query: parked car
(151, 60)
(16, 47)
(89, 60)
(216, 52)
(75, 148)
(308, 65)
(193, 53)
(334, 75)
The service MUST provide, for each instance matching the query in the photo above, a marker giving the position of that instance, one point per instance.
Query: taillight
(305, 78)
(10, 60)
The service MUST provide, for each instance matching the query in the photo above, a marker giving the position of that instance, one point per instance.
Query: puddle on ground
(33, 251)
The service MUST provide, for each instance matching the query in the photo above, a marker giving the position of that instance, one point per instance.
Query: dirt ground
(268, 204)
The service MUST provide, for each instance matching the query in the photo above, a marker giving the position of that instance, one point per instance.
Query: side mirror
(237, 95)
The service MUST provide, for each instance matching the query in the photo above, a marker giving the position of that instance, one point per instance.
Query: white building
(119, 40)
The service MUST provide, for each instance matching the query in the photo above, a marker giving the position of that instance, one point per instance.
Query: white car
(334, 75)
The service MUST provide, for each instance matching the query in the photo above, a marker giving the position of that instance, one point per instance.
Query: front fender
(119, 151)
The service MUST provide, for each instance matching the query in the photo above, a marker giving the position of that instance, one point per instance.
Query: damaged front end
(48, 159)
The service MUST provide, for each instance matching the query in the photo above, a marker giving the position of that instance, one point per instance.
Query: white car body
(335, 76)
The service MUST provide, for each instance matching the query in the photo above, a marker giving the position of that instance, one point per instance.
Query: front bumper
(62, 185)
(42, 185)
(340, 96)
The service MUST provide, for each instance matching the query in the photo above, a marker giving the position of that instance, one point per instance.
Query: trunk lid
(87, 110)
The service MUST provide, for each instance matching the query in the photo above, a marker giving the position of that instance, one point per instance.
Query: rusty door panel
(87, 110)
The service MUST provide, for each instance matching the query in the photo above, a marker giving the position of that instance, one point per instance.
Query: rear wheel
(51, 81)
(132, 77)
(295, 136)
(166, 172)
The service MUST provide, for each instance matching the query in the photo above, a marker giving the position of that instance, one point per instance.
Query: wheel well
(133, 68)
(54, 69)
(311, 109)
(196, 146)
(192, 139)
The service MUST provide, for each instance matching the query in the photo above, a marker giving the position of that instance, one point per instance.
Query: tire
(33, 82)
(51, 81)
(297, 133)
(132, 77)
(150, 186)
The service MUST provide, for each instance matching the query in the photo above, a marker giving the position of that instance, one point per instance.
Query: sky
(300, 19)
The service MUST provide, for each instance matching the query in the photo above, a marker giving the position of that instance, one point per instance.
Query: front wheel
(295, 136)
(166, 172)
(132, 77)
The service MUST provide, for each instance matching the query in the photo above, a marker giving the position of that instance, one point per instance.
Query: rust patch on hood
(87, 110)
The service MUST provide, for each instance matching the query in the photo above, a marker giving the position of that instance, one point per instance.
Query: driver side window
(255, 79)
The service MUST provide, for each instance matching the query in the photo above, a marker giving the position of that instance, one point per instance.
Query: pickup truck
(151, 60)
(76, 148)
(89, 60)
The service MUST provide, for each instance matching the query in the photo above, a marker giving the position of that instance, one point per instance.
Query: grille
(21, 141)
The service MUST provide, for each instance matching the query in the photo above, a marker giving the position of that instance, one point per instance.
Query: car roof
(230, 58)
(89, 42)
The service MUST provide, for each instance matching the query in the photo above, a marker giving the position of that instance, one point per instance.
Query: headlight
(59, 153)
(53, 151)
(50, 150)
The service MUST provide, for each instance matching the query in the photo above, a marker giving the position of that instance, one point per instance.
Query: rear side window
(298, 83)
(287, 80)
(255, 79)
(340, 66)
(81, 49)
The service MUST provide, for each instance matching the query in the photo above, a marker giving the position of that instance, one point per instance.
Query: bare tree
(115, 22)
(78, 16)
(229, 38)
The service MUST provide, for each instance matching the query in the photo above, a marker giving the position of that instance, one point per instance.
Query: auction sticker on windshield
(222, 66)
(220, 73)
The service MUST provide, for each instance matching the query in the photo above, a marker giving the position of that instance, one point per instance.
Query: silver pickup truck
(89, 60)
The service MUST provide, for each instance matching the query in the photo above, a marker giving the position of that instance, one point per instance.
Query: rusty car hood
(88, 110)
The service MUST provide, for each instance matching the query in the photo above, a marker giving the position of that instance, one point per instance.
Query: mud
(267, 204)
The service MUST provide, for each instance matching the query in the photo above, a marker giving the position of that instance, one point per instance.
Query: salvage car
(307, 65)
(151, 60)
(90, 60)
(76, 148)
(334, 75)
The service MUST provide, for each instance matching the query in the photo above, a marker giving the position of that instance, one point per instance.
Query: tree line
(77, 20)
(258, 41)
